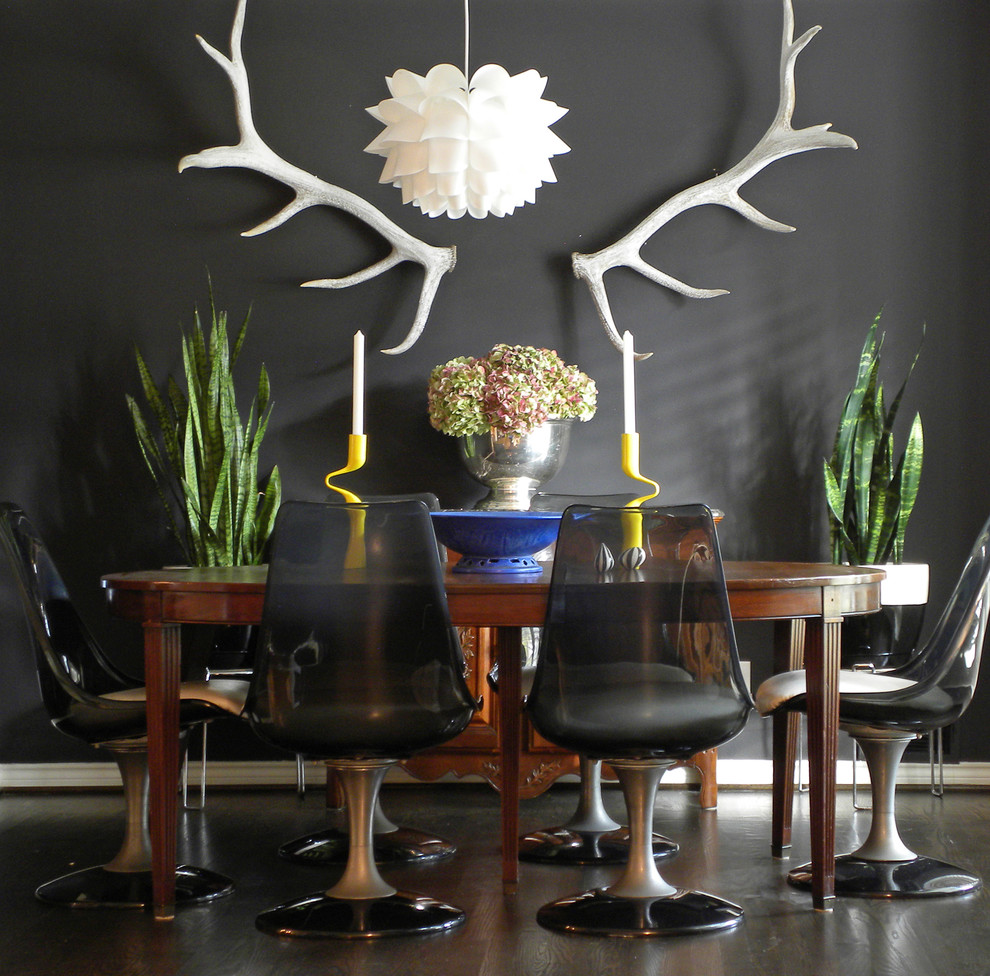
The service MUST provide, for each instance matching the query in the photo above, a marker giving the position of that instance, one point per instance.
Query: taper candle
(357, 401)
(628, 384)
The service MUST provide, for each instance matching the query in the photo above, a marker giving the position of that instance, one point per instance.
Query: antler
(780, 140)
(310, 191)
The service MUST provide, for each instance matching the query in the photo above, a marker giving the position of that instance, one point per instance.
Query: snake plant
(870, 497)
(203, 459)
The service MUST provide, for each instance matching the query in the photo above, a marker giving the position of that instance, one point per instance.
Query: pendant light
(455, 147)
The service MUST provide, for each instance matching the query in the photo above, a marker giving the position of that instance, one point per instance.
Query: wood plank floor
(724, 851)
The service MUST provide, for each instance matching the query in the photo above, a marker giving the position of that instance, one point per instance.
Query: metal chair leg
(300, 776)
(935, 749)
(202, 776)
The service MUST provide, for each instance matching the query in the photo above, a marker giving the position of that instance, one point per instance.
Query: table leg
(508, 645)
(788, 655)
(162, 652)
(821, 654)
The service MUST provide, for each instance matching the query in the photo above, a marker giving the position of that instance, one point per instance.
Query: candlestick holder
(634, 555)
(357, 454)
(630, 466)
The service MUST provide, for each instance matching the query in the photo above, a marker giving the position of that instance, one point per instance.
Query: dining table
(806, 602)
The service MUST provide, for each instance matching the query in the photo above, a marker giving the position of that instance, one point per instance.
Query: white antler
(310, 191)
(780, 140)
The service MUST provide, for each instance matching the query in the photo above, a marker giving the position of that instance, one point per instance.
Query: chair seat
(223, 693)
(867, 698)
(614, 720)
(780, 689)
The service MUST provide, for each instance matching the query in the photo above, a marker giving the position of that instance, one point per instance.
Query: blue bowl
(496, 542)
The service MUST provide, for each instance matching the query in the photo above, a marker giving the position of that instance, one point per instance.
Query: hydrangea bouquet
(514, 390)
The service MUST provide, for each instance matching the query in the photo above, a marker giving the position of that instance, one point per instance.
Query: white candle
(357, 404)
(628, 384)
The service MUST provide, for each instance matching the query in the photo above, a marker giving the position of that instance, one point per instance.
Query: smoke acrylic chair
(886, 711)
(638, 667)
(358, 664)
(88, 698)
(392, 844)
(589, 835)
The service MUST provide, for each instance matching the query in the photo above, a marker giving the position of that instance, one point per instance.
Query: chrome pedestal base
(599, 913)
(921, 877)
(639, 902)
(561, 845)
(884, 866)
(399, 846)
(99, 888)
(319, 916)
(591, 836)
(362, 904)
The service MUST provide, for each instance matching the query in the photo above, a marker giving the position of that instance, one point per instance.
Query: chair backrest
(950, 658)
(426, 497)
(357, 656)
(544, 501)
(72, 669)
(638, 656)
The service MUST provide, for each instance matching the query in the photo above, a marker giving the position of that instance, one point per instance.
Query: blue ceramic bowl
(496, 542)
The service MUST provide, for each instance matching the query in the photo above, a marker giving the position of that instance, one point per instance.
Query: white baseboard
(731, 773)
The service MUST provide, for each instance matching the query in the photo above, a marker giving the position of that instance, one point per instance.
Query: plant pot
(889, 638)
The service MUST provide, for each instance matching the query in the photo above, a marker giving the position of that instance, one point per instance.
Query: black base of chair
(400, 846)
(922, 877)
(319, 916)
(599, 913)
(99, 888)
(561, 845)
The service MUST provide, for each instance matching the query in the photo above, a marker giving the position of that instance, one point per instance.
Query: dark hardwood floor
(724, 851)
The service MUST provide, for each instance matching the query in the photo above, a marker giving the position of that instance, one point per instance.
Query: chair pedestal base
(399, 846)
(562, 845)
(99, 888)
(921, 877)
(320, 916)
(599, 913)
(590, 836)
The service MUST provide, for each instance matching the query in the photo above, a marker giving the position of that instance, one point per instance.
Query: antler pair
(780, 140)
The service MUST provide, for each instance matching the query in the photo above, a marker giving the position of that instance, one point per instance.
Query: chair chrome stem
(883, 755)
(641, 879)
(590, 815)
(361, 780)
(135, 850)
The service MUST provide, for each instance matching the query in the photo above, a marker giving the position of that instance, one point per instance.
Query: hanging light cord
(467, 38)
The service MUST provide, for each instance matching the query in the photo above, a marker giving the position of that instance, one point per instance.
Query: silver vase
(512, 467)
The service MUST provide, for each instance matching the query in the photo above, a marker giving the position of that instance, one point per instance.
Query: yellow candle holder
(630, 466)
(632, 528)
(357, 454)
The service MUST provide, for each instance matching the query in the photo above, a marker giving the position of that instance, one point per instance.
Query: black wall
(105, 245)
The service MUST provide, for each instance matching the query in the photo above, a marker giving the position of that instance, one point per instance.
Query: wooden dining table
(807, 602)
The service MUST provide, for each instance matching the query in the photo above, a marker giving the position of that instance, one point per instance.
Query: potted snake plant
(202, 456)
(870, 492)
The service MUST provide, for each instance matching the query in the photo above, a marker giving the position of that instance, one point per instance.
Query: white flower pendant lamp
(455, 148)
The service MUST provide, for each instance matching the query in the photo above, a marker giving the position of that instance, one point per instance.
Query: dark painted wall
(105, 245)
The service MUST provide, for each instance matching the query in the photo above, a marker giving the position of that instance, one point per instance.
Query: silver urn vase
(511, 466)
